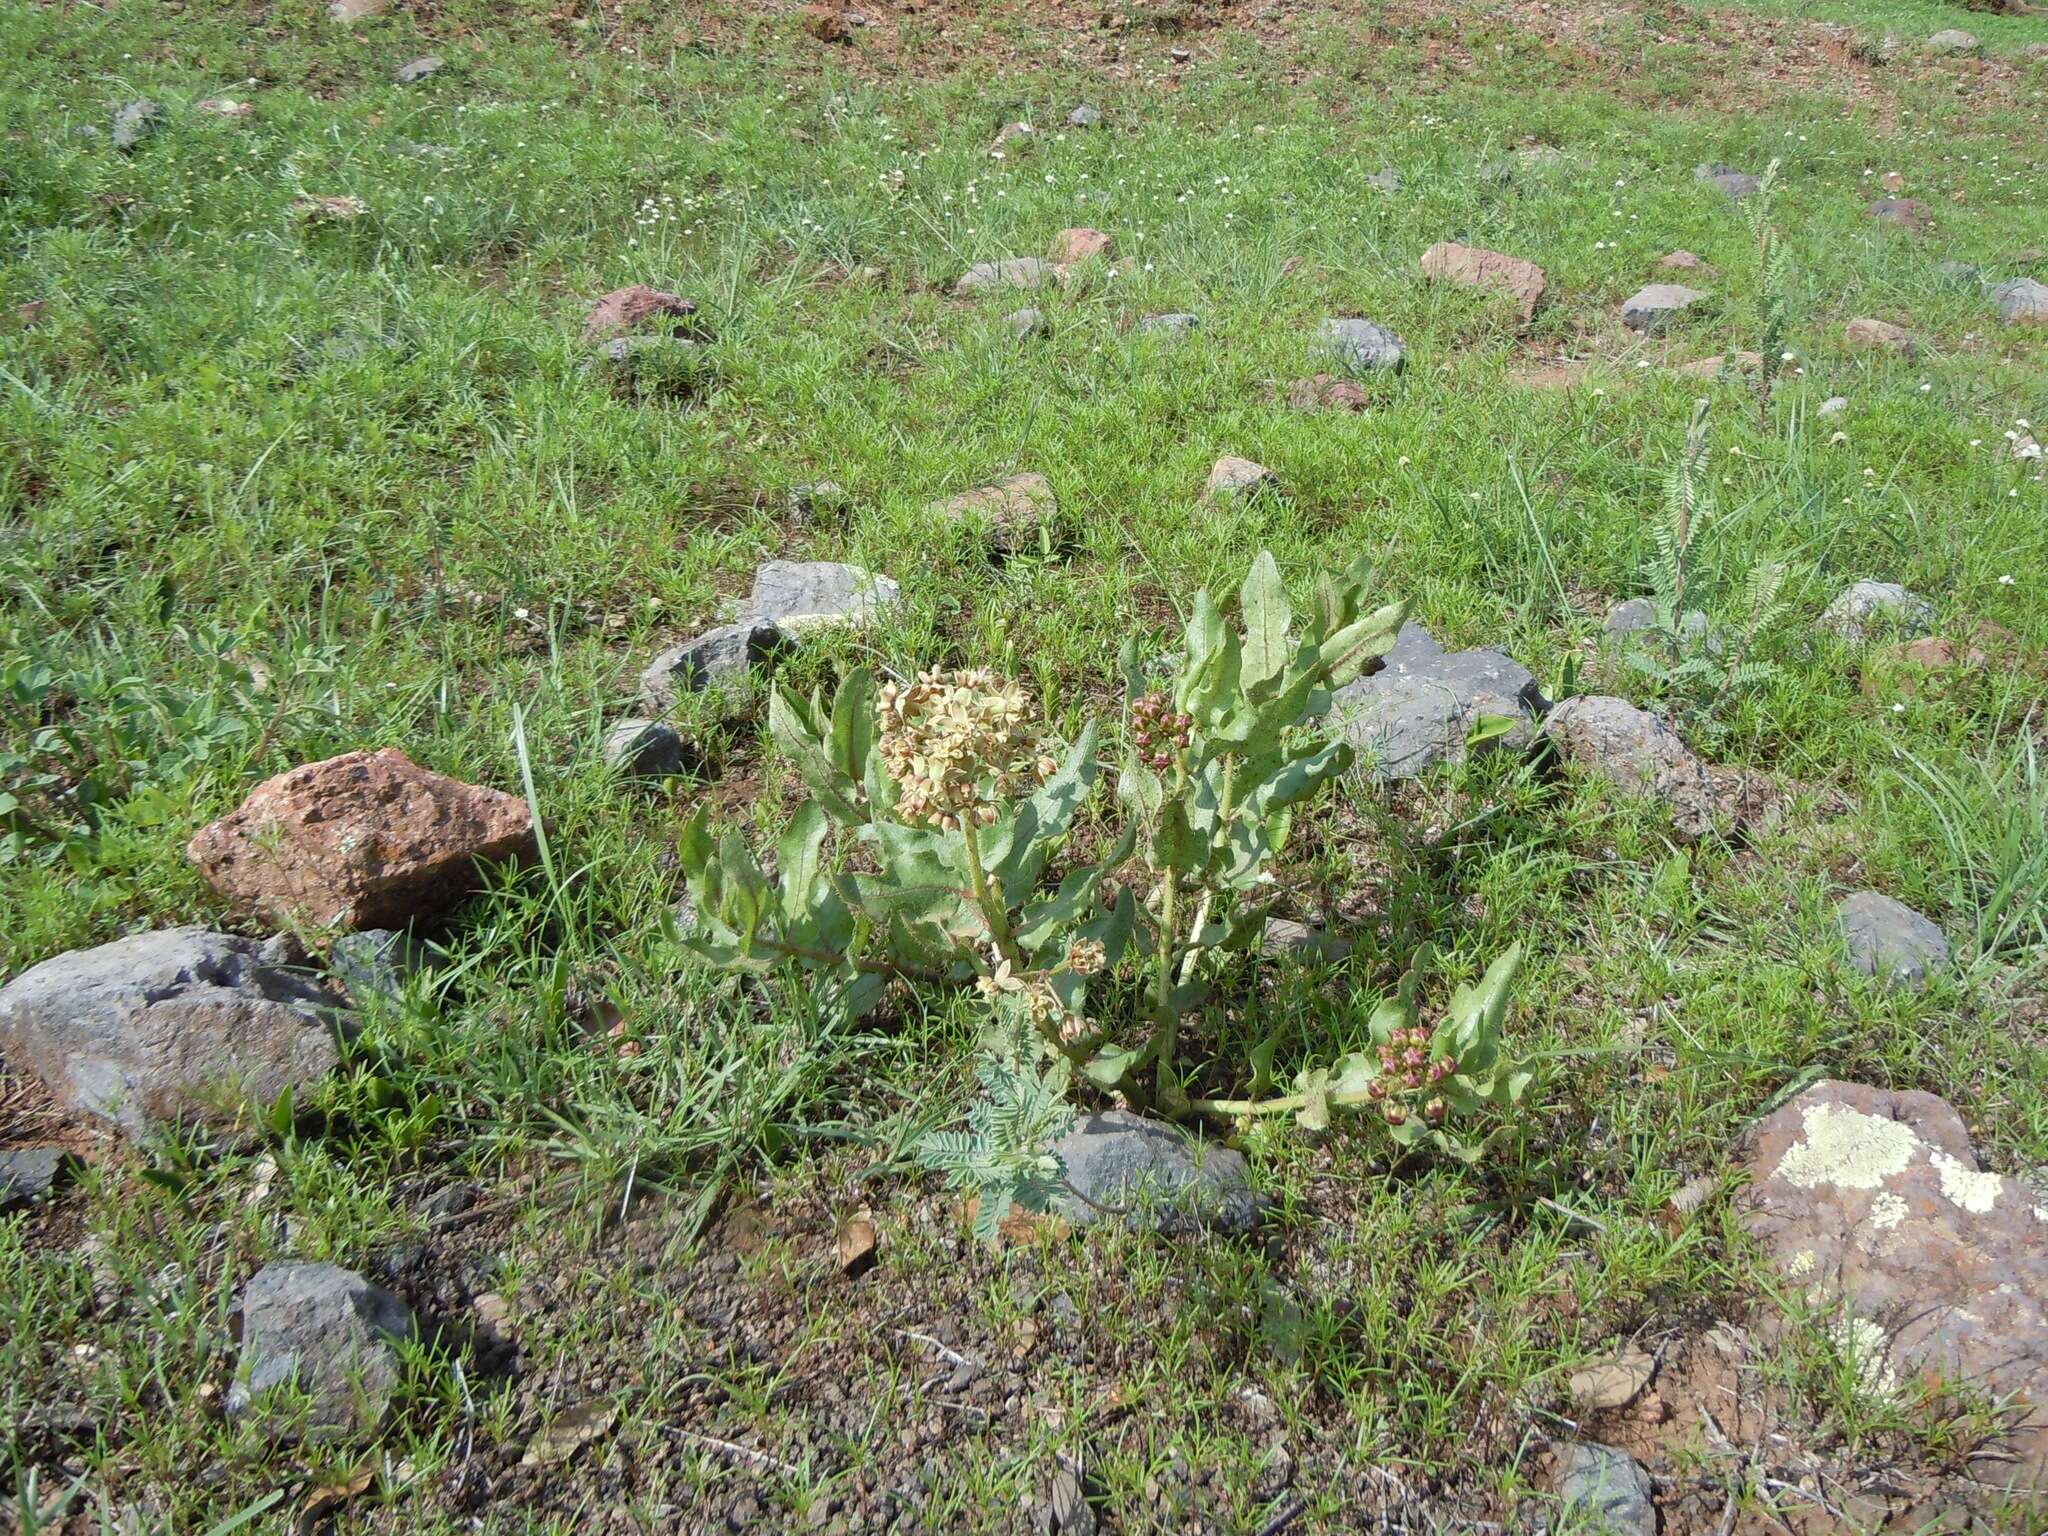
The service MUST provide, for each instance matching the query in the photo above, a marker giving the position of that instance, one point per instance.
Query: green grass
(272, 490)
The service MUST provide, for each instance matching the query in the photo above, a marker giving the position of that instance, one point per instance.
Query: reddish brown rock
(827, 23)
(1715, 367)
(1472, 267)
(1908, 212)
(1014, 512)
(1877, 336)
(1327, 392)
(1874, 1199)
(1071, 246)
(364, 840)
(1684, 261)
(627, 310)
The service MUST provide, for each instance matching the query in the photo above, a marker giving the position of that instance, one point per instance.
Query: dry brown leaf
(329, 1497)
(1611, 1383)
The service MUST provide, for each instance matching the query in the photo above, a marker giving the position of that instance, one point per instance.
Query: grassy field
(275, 486)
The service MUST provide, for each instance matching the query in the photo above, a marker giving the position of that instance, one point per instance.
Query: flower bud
(1433, 1111)
(1394, 1112)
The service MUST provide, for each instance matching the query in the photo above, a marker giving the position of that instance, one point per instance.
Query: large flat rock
(1419, 708)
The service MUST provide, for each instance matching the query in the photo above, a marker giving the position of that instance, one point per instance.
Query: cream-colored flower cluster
(957, 744)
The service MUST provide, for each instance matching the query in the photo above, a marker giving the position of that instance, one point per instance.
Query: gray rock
(378, 961)
(418, 69)
(1605, 1493)
(1084, 116)
(2022, 302)
(1152, 1176)
(797, 595)
(1026, 323)
(1737, 184)
(1952, 40)
(135, 122)
(1016, 272)
(1633, 749)
(1384, 181)
(327, 1332)
(1634, 622)
(1174, 325)
(1962, 272)
(1870, 608)
(1651, 308)
(1834, 405)
(1872, 1201)
(1907, 211)
(716, 656)
(28, 1175)
(645, 749)
(177, 1026)
(1362, 346)
(1418, 709)
(1889, 940)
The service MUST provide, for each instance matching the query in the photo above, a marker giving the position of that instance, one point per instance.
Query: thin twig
(953, 1355)
(1292, 1511)
(744, 1452)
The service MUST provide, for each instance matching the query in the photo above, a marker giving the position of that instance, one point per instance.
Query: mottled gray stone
(1834, 405)
(1737, 184)
(1605, 1493)
(1016, 272)
(820, 499)
(1362, 346)
(135, 122)
(1953, 40)
(795, 595)
(1961, 272)
(1384, 181)
(1634, 621)
(1869, 608)
(1173, 325)
(1651, 308)
(647, 749)
(1633, 749)
(378, 961)
(180, 1026)
(715, 656)
(1285, 936)
(1233, 476)
(1889, 940)
(1151, 1176)
(418, 69)
(28, 1175)
(326, 1331)
(1417, 710)
(2022, 302)
(1084, 116)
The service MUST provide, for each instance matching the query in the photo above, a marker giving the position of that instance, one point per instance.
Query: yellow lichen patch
(1847, 1148)
(1966, 1187)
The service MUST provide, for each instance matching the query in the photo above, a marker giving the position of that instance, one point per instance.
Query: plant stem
(992, 912)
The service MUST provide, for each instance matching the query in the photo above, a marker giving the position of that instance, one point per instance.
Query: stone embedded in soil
(648, 749)
(1362, 346)
(624, 311)
(1952, 40)
(137, 121)
(1873, 1199)
(1907, 212)
(1084, 116)
(820, 499)
(1932, 664)
(1418, 709)
(419, 69)
(1635, 750)
(1285, 936)
(826, 23)
(1471, 266)
(1151, 1176)
(377, 962)
(1834, 405)
(1651, 308)
(364, 840)
(1683, 261)
(29, 1175)
(328, 1333)
(1638, 616)
(1388, 180)
(2021, 302)
(716, 656)
(1073, 246)
(1232, 476)
(177, 1027)
(1010, 136)
(1327, 392)
(1014, 272)
(1960, 272)
(1872, 335)
(1174, 326)
(348, 12)
(1728, 365)
(1869, 608)
(801, 595)
(1011, 513)
(1604, 1492)
(1737, 184)
(1889, 940)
